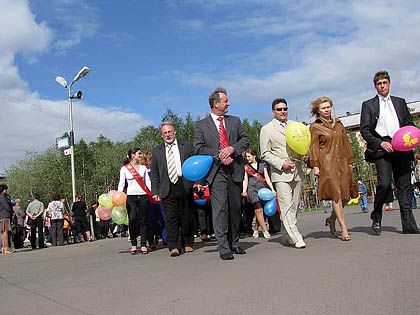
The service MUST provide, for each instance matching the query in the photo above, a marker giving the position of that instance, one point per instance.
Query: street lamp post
(83, 72)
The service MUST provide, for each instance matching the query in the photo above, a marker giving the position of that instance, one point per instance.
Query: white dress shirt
(388, 122)
(175, 151)
(216, 122)
(133, 187)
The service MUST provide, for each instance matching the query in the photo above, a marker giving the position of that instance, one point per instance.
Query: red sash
(251, 172)
(140, 181)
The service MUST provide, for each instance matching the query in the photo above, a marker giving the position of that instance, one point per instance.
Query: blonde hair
(317, 102)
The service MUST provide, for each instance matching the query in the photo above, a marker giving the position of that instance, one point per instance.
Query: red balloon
(104, 213)
(119, 198)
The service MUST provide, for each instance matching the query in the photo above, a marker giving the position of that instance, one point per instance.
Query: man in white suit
(285, 169)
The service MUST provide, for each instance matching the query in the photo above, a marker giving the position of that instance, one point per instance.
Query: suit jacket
(206, 142)
(369, 119)
(159, 170)
(275, 151)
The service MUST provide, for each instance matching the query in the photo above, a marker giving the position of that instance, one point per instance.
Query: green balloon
(119, 215)
(105, 201)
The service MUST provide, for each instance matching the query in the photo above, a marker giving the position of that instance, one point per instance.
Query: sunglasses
(279, 109)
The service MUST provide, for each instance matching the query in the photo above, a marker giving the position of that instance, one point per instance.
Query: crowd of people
(160, 199)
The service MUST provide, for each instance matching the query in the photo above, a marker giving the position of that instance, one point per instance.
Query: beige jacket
(274, 151)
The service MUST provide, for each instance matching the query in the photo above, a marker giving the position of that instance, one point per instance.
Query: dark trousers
(137, 218)
(398, 165)
(179, 219)
(226, 210)
(37, 224)
(18, 237)
(204, 219)
(57, 237)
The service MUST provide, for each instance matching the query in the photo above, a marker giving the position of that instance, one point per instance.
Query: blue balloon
(200, 202)
(270, 207)
(196, 167)
(265, 194)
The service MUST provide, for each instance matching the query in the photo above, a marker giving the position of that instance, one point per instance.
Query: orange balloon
(119, 198)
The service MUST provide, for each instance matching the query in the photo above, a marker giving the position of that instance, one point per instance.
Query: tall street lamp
(83, 72)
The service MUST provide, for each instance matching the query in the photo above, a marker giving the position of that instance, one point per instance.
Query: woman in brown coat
(331, 158)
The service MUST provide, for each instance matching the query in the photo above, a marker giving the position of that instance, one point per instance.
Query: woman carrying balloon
(256, 177)
(138, 192)
(331, 158)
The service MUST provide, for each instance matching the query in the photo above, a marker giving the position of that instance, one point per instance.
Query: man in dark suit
(381, 117)
(223, 137)
(175, 191)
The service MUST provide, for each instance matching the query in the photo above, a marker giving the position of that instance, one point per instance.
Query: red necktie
(224, 142)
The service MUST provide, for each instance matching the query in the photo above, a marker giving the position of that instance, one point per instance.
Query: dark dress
(79, 217)
(254, 185)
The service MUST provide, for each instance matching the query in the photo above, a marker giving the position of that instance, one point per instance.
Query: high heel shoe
(144, 250)
(133, 250)
(333, 231)
(6, 251)
(344, 237)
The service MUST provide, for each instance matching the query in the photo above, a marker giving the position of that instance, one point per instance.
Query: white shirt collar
(384, 98)
(175, 143)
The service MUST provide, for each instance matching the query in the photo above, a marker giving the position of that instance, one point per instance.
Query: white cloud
(29, 123)
(329, 48)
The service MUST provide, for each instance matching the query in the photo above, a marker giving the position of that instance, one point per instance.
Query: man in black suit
(223, 137)
(381, 117)
(175, 191)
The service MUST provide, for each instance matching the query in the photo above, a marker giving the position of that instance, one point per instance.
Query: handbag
(354, 190)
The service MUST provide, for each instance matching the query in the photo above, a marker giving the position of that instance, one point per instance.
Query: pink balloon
(111, 192)
(406, 138)
(104, 213)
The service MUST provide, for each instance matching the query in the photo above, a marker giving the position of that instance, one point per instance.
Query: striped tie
(224, 142)
(173, 175)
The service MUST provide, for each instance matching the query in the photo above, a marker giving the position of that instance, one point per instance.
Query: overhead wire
(59, 115)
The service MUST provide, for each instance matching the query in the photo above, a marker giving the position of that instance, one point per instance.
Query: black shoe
(227, 256)
(415, 231)
(239, 251)
(376, 227)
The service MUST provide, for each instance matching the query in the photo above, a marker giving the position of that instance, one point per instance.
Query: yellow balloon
(354, 201)
(298, 137)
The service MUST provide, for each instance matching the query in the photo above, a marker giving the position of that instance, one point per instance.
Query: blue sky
(147, 56)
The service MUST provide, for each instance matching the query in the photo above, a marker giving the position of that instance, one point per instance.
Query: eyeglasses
(279, 109)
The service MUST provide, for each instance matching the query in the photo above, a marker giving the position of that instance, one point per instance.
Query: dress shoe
(188, 249)
(205, 238)
(239, 251)
(174, 252)
(415, 231)
(376, 227)
(227, 256)
(300, 244)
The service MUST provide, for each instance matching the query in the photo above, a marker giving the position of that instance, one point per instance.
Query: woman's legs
(260, 219)
(60, 235)
(5, 241)
(53, 231)
(339, 213)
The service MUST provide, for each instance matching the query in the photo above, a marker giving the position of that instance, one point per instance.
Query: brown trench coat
(330, 150)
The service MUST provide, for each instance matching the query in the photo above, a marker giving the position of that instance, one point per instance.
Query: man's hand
(156, 198)
(288, 165)
(244, 194)
(387, 146)
(227, 161)
(226, 152)
(198, 187)
(316, 171)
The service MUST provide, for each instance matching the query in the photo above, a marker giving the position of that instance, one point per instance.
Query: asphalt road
(368, 275)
